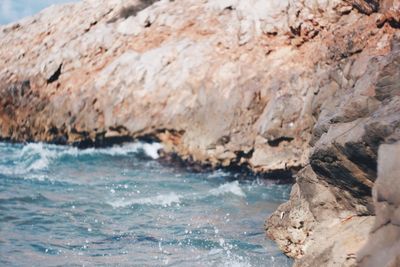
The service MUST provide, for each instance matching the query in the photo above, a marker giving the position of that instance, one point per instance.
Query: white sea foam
(35, 157)
(233, 188)
(150, 150)
(218, 174)
(31, 158)
(171, 198)
(160, 200)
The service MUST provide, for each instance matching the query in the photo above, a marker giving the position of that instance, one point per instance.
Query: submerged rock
(273, 86)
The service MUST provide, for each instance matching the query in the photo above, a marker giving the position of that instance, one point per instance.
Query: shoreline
(173, 160)
(108, 199)
(223, 86)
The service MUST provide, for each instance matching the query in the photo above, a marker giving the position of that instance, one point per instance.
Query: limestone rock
(363, 112)
(306, 228)
(106, 67)
(268, 85)
(366, 6)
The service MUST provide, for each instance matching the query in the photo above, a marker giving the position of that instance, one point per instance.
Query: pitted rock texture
(333, 193)
(307, 227)
(271, 85)
(219, 82)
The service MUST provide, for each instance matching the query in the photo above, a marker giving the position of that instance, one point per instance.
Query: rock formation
(384, 242)
(274, 86)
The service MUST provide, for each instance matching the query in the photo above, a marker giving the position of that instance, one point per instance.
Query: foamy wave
(218, 174)
(35, 157)
(173, 198)
(160, 200)
(31, 158)
(150, 150)
(233, 188)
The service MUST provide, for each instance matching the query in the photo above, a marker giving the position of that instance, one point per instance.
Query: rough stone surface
(163, 72)
(307, 227)
(270, 85)
(383, 246)
(105, 70)
(362, 113)
(336, 188)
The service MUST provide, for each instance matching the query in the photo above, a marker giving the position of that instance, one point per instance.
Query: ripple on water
(119, 206)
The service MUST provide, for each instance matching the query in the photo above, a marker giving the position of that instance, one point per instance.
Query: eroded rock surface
(176, 70)
(333, 193)
(270, 85)
(321, 225)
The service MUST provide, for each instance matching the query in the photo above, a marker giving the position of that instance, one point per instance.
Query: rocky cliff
(273, 86)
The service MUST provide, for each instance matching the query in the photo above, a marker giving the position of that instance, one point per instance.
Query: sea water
(121, 206)
(60, 206)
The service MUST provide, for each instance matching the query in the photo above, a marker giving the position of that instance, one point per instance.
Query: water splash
(115, 206)
(233, 188)
(171, 198)
(37, 157)
(160, 200)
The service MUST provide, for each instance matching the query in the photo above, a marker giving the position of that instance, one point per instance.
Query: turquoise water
(120, 206)
(13, 10)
